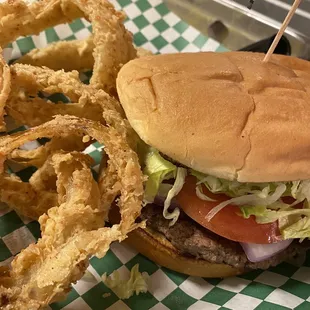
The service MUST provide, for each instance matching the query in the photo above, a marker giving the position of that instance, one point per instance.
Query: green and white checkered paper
(283, 287)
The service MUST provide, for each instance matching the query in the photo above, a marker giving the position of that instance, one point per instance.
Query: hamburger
(225, 146)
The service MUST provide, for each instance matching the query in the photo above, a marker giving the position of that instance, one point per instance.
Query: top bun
(225, 114)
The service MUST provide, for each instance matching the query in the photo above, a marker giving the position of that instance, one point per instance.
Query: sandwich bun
(225, 114)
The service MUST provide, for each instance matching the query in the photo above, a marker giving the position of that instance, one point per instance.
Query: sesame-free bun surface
(225, 114)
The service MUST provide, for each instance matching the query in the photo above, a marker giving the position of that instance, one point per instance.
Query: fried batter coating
(24, 198)
(71, 206)
(26, 107)
(5, 88)
(37, 157)
(68, 55)
(73, 230)
(112, 42)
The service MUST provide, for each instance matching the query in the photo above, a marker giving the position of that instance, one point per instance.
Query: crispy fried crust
(62, 193)
(62, 55)
(26, 107)
(72, 231)
(67, 55)
(5, 88)
(112, 42)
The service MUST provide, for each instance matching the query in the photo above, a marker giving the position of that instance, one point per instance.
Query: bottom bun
(158, 249)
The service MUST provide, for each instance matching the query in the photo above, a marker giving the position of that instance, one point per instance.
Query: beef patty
(191, 239)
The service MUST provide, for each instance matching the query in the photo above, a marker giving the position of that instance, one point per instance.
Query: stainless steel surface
(235, 26)
(277, 9)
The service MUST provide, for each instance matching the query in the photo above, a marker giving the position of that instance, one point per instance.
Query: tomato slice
(226, 223)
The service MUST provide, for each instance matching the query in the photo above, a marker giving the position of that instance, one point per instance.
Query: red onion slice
(259, 252)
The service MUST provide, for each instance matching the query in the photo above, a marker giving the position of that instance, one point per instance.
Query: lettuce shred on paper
(124, 289)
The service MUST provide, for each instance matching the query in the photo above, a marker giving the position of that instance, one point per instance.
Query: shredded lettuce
(137, 283)
(157, 169)
(293, 223)
(247, 211)
(300, 190)
(299, 229)
(262, 200)
(177, 186)
(201, 195)
(232, 188)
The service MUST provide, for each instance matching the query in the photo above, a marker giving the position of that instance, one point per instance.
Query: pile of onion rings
(70, 205)
(112, 43)
(72, 227)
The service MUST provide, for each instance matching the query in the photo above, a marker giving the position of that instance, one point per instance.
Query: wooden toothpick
(281, 30)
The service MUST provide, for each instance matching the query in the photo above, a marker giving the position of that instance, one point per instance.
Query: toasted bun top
(225, 114)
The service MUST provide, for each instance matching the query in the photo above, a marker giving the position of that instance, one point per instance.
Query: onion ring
(113, 43)
(13, 192)
(26, 107)
(74, 230)
(5, 88)
(71, 205)
(121, 157)
(68, 55)
(37, 157)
